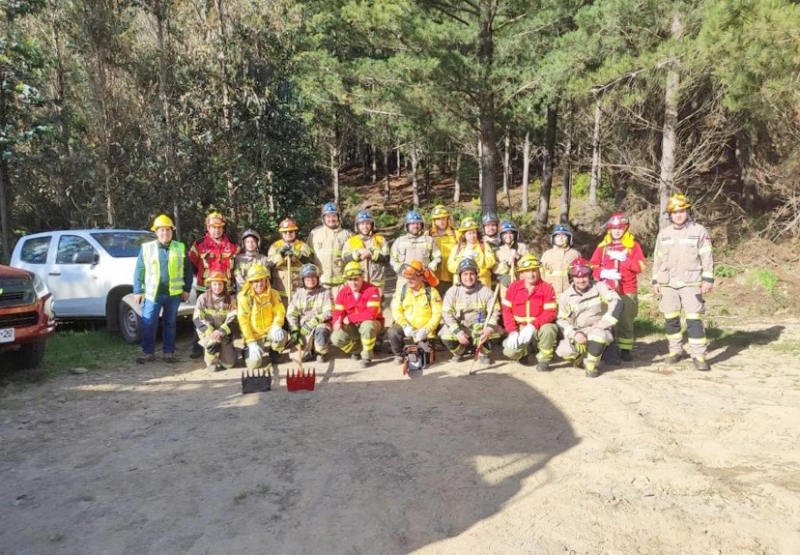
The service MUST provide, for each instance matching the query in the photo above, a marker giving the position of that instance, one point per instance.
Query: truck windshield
(123, 244)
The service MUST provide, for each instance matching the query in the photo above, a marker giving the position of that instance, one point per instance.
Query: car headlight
(40, 287)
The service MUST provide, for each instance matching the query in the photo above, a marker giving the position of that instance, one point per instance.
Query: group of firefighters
(474, 287)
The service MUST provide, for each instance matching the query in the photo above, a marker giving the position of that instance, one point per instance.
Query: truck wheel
(130, 324)
(30, 355)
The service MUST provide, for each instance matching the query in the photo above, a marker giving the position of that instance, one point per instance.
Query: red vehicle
(26, 317)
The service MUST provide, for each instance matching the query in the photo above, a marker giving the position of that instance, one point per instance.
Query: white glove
(512, 342)
(408, 330)
(526, 334)
(420, 335)
(610, 273)
(254, 351)
(621, 256)
(276, 334)
(470, 254)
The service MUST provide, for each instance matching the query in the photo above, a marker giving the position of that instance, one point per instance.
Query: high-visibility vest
(152, 268)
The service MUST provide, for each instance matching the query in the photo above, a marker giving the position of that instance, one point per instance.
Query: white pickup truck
(90, 274)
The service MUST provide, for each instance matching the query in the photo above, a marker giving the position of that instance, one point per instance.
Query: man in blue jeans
(162, 278)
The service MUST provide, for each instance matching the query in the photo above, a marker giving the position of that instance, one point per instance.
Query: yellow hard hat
(467, 225)
(162, 221)
(353, 269)
(257, 272)
(677, 202)
(528, 262)
(439, 211)
(215, 219)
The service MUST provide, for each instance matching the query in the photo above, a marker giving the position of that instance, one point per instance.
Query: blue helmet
(363, 216)
(414, 217)
(489, 217)
(329, 208)
(508, 226)
(561, 229)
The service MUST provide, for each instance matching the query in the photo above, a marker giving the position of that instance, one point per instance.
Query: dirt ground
(646, 459)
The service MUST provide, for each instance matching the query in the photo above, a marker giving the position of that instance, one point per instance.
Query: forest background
(112, 111)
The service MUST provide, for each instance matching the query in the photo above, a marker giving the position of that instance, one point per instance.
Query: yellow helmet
(353, 269)
(467, 225)
(528, 262)
(162, 221)
(439, 211)
(257, 272)
(217, 275)
(677, 202)
(215, 219)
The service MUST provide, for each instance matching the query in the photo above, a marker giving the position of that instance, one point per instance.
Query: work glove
(580, 348)
(526, 334)
(505, 279)
(296, 337)
(470, 254)
(408, 330)
(620, 256)
(254, 351)
(285, 250)
(309, 326)
(420, 335)
(512, 341)
(276, 334)
(611, 274)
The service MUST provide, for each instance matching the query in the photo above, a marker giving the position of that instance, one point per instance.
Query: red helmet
(287, 225)
(580, 267)
(618, 220)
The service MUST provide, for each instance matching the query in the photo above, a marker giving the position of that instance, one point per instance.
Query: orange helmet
(217, 275)
(413, 268)
(287, 225)
(215, 219)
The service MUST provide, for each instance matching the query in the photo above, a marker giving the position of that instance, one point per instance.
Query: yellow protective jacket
(484, 258)
(280, 272)
(446, 244)
(683, 256)
(327, 245)
(258, 313)
(378, 247)
(555, 263)
(419, 309)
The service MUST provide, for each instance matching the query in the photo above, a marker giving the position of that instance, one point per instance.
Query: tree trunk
(596, 159)
(102, 69)
(506, 162)
(62, 117)
(547, 167)
(399, 167)
(669, 139)
(4, 180)
(387, 191)
(745, 178)
(480, 166)
(222, 57)
(334, 152)
(374, 156)
(526, 168)
(414, 180)
(486, 109)
(566, 180)
(457, 182)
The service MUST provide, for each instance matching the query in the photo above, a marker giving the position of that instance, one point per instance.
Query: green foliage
(92, 349)
(761, 277)
(725, 271)
(384, 220)
(646, 325)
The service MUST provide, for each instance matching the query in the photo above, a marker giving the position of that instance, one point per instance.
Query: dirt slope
(645, 459)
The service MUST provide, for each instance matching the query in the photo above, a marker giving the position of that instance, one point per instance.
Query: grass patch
(788, 347)
(645, 325)
(725, 271)
(766, 279)
(92, 349)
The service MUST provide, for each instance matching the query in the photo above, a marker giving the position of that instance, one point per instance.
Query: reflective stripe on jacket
(521, 308)
(555, 263)
(446, 244)
(366, 307)
(214, 313)
(280, 272)
(327, 245)
(207, 254)
(152, 265)
(484, 258)
(258, 313)
(683, 256)
(599, 307)
(416, 310)
(375, 270)
(306, 306)
(469, 307)
(408, 248)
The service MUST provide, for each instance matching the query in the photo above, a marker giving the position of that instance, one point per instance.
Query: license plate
(6, 335)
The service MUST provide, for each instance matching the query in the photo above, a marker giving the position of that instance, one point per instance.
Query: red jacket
(206, 255)
(367, 307)
(520, 308)
(628, 268)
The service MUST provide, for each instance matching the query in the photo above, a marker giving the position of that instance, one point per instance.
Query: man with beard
(414, 246)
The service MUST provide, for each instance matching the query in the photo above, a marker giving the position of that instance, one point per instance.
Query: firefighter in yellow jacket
(683, 271)
(369, 249)
(287, 255)
(261, 314)
(471, 246)
(215, 322)
(446, 238)
(327, 242)
(416, 309)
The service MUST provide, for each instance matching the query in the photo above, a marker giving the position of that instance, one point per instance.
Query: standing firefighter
(617, 261)
(369, 249)
(470, 317)
(249, 257)
(357, 314)
(556, 260)
(683, 271)
(415, 246)
(260, 313)
(445, 236)
(327, 243)
(286, 255)
(309, 313)
(470, 246)
(416, 309)
(215, 322)
(529, 310)
(587, 311)
(491, 230)
(508, 255)
(162, 279)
